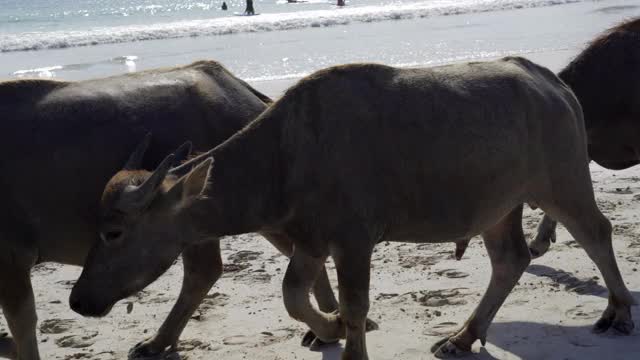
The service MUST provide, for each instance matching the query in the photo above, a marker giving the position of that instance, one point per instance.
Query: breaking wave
(262, 23)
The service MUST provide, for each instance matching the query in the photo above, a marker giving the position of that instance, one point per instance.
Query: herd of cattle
(346, 158)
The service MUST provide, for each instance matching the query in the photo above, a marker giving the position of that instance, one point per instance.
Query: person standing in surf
(249, 9)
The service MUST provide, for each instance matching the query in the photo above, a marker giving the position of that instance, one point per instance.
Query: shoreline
(284, 55)
(555, 60)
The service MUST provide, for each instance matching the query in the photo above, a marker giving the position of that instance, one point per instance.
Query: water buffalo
(605, 78)
(412, 155)
(62, 143)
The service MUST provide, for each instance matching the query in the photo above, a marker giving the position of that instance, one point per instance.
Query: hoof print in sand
(386, 296)
(452, 273)
(442, 329)
(410, 262)
(193, 344)
(44, 268)
(240, 260)
(105, 355)
(77, 341)
(66, 284)
(56, 326)
(235, 340)
(574, 284)
(210, 302)
(259, 276)
(579, 312)
(244, 256)
(265, 338)
(78, 356)
(436, 298)
(231, 268)
(572, 244)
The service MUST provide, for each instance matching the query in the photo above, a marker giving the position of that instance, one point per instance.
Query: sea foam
(261, 23)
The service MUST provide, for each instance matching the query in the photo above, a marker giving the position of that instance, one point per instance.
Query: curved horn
(135, 160)
(182, 170)
(182, 153)
(143, 194)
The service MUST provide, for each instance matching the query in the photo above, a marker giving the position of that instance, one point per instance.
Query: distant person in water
(340, 3)
(224, 6)
(249, 9)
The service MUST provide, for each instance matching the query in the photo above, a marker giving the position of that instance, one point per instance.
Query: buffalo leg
(327, 303)
(353, 263)
(321, 288)
(593, 232)
(322, 291)
(202, 268)
(18, 305)
(572, 203)
(301, 275)
(509, 257)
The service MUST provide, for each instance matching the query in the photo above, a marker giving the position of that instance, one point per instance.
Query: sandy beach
(419, 292)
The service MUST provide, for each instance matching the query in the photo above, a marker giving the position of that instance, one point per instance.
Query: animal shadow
(569, 281)
(529, 340)
(330, 351)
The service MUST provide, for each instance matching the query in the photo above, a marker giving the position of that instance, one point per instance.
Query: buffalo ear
(191, 186)
(196, 181)
(135, 159)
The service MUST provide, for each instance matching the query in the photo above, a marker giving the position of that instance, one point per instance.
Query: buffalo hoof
(318, 344)
(148, 350)
(437, 345)
(621, 327)
(7, 347)
(602, 325)
(448, 350)
(538, 248)
(310, 339)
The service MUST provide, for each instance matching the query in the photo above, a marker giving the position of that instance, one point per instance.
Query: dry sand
(418, 293)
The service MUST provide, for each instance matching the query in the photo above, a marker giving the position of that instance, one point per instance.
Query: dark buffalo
(62, 143)
(413, 155)
(606, 80)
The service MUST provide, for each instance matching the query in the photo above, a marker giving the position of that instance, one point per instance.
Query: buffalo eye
(110, 236)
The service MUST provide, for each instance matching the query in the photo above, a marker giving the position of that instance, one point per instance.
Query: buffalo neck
(243, 194)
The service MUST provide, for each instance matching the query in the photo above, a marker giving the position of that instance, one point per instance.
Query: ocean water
(77, 39)
(47, 24)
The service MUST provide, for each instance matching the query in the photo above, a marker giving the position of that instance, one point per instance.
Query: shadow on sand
(532, 340)
(331, 352)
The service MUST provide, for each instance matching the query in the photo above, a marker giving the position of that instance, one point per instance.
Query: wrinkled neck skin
(244, 190)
